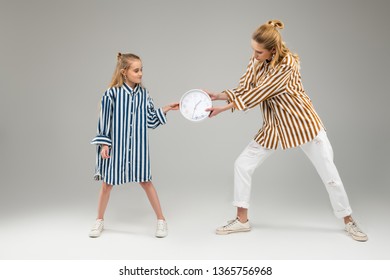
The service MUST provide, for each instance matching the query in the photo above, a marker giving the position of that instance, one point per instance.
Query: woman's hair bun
(276, 23)
(118, 55)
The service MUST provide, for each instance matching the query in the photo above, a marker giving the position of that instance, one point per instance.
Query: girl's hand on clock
(172, 106)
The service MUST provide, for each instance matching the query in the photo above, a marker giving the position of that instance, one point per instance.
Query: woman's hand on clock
(216, 95)
(217, 110)
(214, 111)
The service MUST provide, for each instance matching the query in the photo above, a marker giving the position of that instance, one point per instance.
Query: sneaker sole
(358, 238)
(225, 232)
(95, 235)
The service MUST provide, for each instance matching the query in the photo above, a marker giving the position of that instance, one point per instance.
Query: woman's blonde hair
(123, 63)
(268, 35)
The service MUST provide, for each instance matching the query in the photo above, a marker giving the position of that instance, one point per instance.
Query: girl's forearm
(172, 106)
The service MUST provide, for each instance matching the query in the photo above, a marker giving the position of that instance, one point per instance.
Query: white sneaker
(97, 228)
(234, 226)
(355, 232)
(162, 229)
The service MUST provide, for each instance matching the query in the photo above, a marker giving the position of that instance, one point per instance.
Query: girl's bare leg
(153, 198)
(103, 199)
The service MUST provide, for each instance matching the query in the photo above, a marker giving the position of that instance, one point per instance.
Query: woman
(273, 81)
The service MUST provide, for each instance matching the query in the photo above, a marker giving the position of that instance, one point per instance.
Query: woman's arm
(217, 95)
(217, 110)
(274, 84)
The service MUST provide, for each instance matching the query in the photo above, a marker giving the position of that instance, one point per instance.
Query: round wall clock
(194, 103)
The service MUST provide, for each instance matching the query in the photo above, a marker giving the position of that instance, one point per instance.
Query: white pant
(319, 151)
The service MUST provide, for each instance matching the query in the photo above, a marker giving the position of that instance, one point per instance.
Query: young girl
(273, 81)
(127, 111)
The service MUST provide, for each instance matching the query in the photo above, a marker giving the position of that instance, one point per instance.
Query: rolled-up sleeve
(103, 136)
(246, 96)
(156, 117)
(246, 81)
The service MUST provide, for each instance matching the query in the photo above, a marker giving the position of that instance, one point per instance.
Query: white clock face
(194, 103)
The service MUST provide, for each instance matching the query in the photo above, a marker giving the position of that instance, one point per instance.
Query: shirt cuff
(161, 116)
(239, 104)
(101, 140)
(236, 100)
(230, 95)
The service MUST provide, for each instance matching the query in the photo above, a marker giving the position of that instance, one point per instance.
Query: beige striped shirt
(289, 117)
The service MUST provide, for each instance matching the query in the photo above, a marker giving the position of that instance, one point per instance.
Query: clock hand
(195, 108)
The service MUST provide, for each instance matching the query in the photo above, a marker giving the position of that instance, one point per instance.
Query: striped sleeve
(156, 117)
(246, 81)
(274, 84)
(103, 136)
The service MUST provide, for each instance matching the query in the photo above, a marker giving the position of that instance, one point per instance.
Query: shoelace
(97, 226)
(232, 222)
(161, 225)
(355, 227)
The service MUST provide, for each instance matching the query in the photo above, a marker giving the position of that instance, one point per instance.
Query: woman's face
(260, 53)
(133, 73)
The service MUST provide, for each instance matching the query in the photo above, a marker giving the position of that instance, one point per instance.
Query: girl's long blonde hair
(268, 34)
(123, 63)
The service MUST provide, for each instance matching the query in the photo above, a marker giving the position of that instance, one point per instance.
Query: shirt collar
(129, 89)
(268, 64)
(265, 63)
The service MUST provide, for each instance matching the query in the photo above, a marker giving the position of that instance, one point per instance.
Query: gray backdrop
(57, 58)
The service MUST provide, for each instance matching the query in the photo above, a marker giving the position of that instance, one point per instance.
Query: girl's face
(133, 73)
(260, 53)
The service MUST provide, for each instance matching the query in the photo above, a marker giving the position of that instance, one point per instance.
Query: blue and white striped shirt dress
(125, 117)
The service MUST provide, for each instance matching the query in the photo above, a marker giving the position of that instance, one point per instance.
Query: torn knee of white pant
(332, 183)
